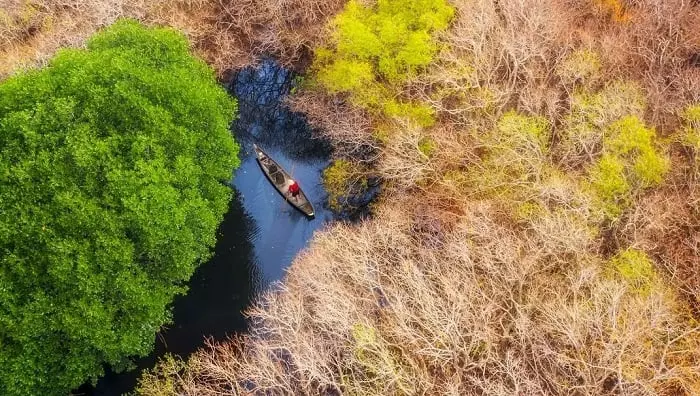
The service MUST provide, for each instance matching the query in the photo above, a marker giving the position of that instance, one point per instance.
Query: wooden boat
(278, 177)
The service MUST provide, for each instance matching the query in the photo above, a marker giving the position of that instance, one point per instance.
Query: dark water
(260, 234)
(281, 231)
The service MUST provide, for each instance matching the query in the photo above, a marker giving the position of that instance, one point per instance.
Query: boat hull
(278, 177)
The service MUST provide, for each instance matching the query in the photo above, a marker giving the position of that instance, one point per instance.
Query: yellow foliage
(427, 147)
(691, 130)
(631, 161)
(377, 359)
(635, 268)
(376, 49)
(162, 380)
(340, 180)
(580, 66)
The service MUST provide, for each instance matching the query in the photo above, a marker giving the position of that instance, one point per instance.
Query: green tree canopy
(112, 163)
(377, 47)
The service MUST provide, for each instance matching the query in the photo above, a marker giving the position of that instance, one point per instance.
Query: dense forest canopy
(112, 173)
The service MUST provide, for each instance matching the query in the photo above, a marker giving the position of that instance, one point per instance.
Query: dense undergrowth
(537, 236)
(538, 227)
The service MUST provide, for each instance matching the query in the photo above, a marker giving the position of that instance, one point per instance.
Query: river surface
(260, 234)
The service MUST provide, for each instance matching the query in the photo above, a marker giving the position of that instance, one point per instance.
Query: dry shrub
(653, 44)
(510, 54)
(228, 34)
(19, 20)
(661, 39)
(501, 54)
(407, 161)
(32, 30)
(667, 223)
(349, 128)
(287, 29)
(383, 308)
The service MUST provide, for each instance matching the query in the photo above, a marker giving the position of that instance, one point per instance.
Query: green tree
(112, 168)
(376, 49)
(632, 160)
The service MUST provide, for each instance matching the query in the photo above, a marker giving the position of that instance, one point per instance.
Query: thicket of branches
(541, 237)
(228, 34)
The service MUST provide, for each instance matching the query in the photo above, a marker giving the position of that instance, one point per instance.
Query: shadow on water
(264, 119)
(287, 138)
(260, 234)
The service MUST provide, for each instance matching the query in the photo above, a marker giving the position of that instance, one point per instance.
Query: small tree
(375, 50)
(112, 163)
(632, 160)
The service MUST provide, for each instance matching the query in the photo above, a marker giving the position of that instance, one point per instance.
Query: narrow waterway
(280, 230)
(260, 234)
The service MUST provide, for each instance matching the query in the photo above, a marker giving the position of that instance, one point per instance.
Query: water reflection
(265, 120)
(287, 138)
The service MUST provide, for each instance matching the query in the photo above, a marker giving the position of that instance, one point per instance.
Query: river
(260, 234)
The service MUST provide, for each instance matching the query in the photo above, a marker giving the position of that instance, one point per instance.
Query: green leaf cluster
(691, 130)
(580, 66)
(519, 148)
(635, 268)
(690, 134)
(517, 157)
(592, 112)
(341, 179)
(631, 161)
(528, 135)
(112, 168)
(376, 49)
(162, 380)
(427, 147)
(598, 109)
(379, 361)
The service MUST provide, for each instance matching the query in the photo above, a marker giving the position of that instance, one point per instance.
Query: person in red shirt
(293, 188)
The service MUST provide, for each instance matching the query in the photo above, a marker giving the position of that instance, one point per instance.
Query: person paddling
(293, 188)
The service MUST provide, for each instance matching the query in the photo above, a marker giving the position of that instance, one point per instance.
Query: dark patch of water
(218, 292)
(286, 137)
(261, 233)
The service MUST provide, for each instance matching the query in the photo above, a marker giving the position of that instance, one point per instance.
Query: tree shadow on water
(265, 119)
(219, 291)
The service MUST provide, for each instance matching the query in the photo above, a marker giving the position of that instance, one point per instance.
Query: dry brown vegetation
(385, 309)
(228, 34)
(492, 265)
(520, 245)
